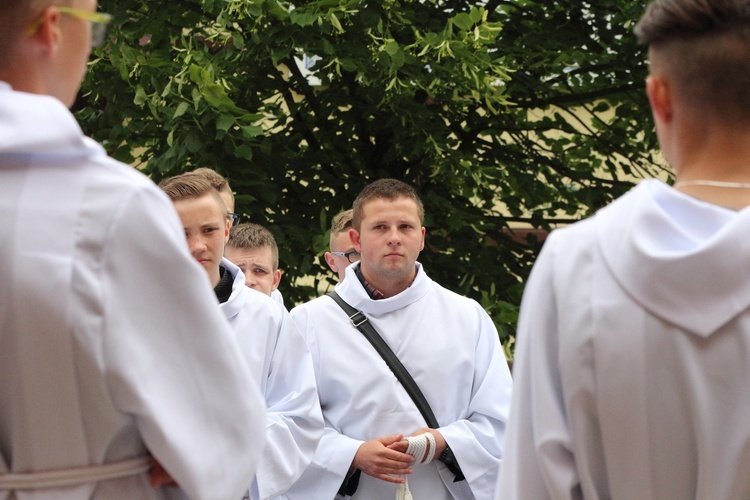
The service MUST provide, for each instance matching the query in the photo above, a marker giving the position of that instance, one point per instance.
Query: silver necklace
(720, 184)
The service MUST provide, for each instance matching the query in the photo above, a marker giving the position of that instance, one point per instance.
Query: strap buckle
(357, 321)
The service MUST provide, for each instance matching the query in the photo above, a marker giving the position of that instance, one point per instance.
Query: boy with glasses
(342, 252)
(221, 184)
(251, 247)
(110, 346)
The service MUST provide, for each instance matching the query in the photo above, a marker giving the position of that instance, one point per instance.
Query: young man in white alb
(447, 342)
(269, 340)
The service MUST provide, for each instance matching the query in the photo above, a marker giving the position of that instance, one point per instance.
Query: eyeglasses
(234, 217)
(99, 22)
(351, 254)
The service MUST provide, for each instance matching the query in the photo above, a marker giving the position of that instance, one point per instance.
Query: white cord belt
(74, 476)
(418, 449)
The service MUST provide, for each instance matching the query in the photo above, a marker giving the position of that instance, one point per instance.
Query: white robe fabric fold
(276, 295)
(451, 348)
(111, 344)
(280, 361)
(631, 368)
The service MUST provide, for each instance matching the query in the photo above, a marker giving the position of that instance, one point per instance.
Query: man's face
(341, 242)
(257, 266)
(207, 230)
(390, 239)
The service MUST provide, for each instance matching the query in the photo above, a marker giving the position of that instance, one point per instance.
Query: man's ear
(227, 228)
(354, 237)
(331, 262)
(276, 279)
(659, 94)
(48, 34)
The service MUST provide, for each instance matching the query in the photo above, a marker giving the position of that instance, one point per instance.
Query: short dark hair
(249, 235)
(706, 50)
(666, 20)
(388, 189)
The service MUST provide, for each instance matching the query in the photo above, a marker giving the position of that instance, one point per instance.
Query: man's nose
(196, 244)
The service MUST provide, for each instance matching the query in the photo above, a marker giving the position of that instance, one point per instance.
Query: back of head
(189, 186)
(385, 189)
(704, 47)
(14, 16)
(38, 54)
(248, 235)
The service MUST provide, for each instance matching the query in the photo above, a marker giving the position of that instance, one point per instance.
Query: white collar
(34, 126)
(352, 291)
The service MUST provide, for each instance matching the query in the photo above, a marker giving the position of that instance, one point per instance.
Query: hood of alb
(681, 259)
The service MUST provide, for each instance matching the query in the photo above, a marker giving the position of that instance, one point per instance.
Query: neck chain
(719, 184)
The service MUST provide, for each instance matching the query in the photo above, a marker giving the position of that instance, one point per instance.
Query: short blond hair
(217, 181)
(341, 222)
(190, 186)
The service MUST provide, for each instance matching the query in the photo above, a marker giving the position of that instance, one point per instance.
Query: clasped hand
(385, 457)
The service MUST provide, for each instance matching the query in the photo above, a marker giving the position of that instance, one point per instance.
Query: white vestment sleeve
(294, 422)
(329, 467)
(475, 439)
(335, 452)
(538, 460)
(200, 414)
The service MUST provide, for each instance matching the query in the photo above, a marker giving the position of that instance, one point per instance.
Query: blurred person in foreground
(111, 347)
(632, 368)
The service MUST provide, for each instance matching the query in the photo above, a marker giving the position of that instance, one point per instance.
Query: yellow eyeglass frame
(99, 22)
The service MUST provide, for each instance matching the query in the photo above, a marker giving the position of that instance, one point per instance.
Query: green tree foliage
(498, 112)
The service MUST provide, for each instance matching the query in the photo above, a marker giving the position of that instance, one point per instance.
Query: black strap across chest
(361, 323)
